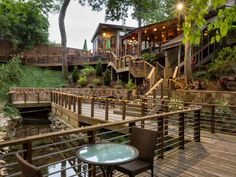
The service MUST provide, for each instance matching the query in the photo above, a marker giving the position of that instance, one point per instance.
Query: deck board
(214, 156)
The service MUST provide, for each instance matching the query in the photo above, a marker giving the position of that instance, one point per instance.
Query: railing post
(79, 101)
(181, 131)
(154, 97)
(212, 119)
(25, 97)
(92, 107)
(143, 112)
(38, 97)
(74, 104)
(162, 90)
(106, 109)
(91, 140)
(123, 110)
(27, 155)
(66, 101)
(51, 96)
(131, 124)
(165, 109)
(197, 126)
(160, 130)
(69, 102)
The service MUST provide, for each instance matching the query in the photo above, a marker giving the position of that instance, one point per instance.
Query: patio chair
(27, 169)
(145, 141)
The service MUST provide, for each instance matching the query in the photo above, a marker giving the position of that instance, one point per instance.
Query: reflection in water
(58, 167)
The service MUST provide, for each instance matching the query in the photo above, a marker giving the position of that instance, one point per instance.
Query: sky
(81, 23)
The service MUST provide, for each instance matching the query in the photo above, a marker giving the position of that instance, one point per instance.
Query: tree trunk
(187, 64)
(63, 37)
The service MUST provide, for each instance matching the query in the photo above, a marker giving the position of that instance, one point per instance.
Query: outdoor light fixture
(180, 6)
(104, 34)
(155, 29)
(145, 31)
(163, 27)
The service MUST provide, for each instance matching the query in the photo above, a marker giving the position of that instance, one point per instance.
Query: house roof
(154, 25)
(104, 26)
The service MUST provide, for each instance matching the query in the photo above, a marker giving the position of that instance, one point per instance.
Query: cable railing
(55, 152)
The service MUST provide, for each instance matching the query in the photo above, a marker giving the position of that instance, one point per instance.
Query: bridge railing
(40, 95)
(55, 153)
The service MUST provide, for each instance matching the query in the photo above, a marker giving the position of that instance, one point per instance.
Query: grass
(38, 77)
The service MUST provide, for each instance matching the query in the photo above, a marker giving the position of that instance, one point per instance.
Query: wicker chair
(27, 169)
(145, 141)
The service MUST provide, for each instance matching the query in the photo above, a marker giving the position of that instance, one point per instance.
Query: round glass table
(107, 155)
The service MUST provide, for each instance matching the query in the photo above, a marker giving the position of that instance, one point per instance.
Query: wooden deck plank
(214, 156)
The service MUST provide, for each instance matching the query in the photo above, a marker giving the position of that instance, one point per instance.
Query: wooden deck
(214, 156)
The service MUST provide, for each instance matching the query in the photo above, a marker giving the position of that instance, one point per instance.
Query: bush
(87, 70)
(130, 85)
(97, 82)
(82, 81)
(10, 75)
(75, 74)
(107, 78)
(99, 68)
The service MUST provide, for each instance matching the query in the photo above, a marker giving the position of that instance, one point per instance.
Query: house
(108, 36)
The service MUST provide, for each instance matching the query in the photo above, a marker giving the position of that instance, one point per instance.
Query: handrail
(154, 87)
(90, 128)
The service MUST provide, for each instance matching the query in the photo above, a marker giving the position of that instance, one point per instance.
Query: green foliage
(22, 24)
(10, 75)
(194, 18)
(224, 64)
(161, 12)
(11, 111)
(82, 81)
(149, 57)
(37, 77)
(99, 68)
(107, 77)
(75, 74)
(224, 23)
(87, 70)
(130, 85)
(97, 82)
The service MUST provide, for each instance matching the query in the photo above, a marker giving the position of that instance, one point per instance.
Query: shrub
(87, 70)
(82, 81)
(10, 75)
(107, 78)
(130, 85)
(97, 82)
(99, 68)
(75, 74)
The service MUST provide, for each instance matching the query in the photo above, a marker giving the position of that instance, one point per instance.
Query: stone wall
(203, 96)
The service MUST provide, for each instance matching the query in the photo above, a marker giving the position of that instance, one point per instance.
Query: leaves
(22, 24)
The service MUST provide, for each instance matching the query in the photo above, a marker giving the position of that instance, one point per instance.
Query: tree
(194, 12)
(107, 78)
(63, 37)
(99, 68)
(75, 74)
(162, 11)
(22, 24)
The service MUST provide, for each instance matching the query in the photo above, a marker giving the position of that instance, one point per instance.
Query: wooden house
(108, 37)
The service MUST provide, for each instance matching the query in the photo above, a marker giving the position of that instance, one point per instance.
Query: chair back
(145, 141)
(27, 169)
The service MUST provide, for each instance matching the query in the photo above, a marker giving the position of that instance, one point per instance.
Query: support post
(124, 110)
(91, 140)
(92, 107)
(27, 155)
(106, 109)
(212, 119)
(160, 130)
(181, 131)
(197, 126)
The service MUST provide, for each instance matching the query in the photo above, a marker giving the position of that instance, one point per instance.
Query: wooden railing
(41, 95)
(216, 118)
(52, 149)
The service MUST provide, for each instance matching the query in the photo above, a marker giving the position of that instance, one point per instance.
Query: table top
(107, 153)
